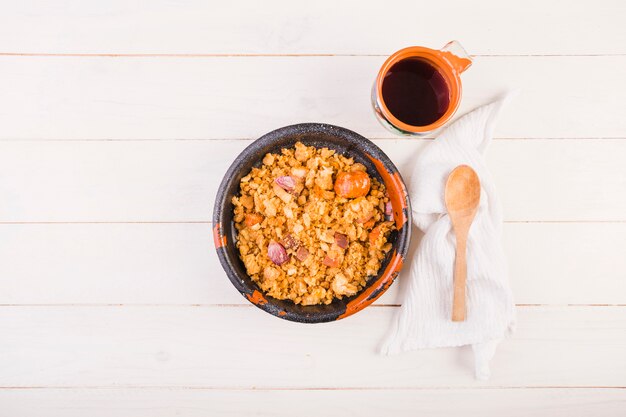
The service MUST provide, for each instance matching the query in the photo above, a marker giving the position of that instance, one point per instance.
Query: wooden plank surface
(119, 119)
(164, 181)
(326, 26)
(175, 264)
(244, 97)
(244, 347)
(120, 402)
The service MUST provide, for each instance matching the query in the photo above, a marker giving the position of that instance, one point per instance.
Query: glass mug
(418, 89)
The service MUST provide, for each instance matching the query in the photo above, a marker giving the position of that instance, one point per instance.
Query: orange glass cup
(449, 62)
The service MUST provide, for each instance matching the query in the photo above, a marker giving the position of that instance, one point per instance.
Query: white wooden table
(118, 119)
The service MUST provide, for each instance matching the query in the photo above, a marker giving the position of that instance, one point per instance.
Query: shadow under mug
(449, 62)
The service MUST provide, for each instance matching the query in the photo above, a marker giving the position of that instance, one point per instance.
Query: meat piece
(369, 224)
(352, 184)
(375, 235)
(328, 261)
(302, 254)
(252, 219)
(388, 210)
(289, 242)
(341, 240)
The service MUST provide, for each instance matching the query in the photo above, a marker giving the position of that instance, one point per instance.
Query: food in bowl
(312, 225)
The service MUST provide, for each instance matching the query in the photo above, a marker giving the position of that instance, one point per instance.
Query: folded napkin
(424, 320)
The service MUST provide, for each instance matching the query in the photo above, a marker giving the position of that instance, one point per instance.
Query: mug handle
(454, 53)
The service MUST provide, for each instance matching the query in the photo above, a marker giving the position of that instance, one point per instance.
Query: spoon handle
(460, 275)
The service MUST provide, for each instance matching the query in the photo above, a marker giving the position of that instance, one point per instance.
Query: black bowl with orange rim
(349, 144)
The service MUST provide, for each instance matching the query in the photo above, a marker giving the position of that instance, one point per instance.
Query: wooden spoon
(462, 198)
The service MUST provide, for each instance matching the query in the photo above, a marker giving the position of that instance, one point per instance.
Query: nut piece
(277, 253)
(352, 184)
(341, 240)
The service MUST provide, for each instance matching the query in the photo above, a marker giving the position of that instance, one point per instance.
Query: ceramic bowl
(347, 143)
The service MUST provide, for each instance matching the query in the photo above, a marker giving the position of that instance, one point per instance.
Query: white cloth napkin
(424, 320)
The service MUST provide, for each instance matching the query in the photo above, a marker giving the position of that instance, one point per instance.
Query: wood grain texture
(130, 112)
(121, 402)
(244, 97)
(539, 180)
(326, 26)
(243, 347)
(176, 264)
